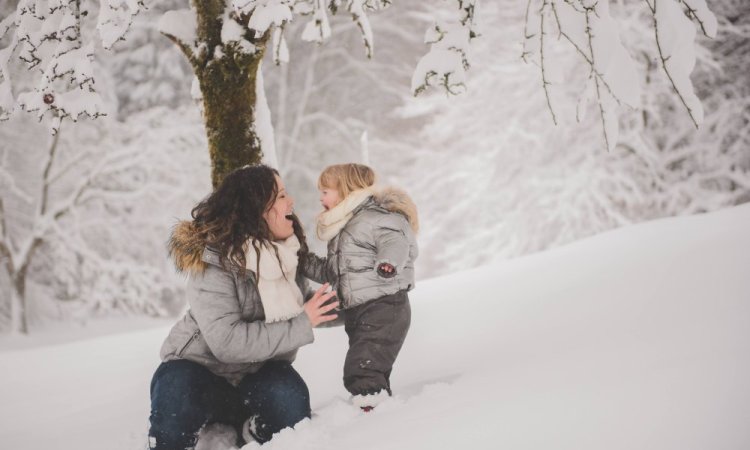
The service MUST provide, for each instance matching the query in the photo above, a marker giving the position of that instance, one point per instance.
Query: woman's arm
(214, 306)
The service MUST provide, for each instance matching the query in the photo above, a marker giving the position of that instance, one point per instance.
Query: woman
(229, 359)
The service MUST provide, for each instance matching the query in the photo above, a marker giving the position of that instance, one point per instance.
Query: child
(370, 264)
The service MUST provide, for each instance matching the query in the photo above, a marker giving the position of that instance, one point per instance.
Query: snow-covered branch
(180, 27)
(545, 82)
(588, 27)
(707, 20)
(675, 37)
(48, 38)
(448, 59)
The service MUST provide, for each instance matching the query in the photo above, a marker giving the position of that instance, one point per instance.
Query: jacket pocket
(187, 344)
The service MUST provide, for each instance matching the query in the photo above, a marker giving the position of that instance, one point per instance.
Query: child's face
(329, 198)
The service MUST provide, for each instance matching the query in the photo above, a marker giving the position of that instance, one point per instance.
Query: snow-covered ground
(638, 338)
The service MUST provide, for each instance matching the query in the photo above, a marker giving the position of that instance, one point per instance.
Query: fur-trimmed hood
(397, 200)
(186, 248)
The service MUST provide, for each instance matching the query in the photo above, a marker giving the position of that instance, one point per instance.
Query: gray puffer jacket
(225, 329)
(382, 229)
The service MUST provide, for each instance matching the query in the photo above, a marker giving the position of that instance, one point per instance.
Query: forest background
(493, 176)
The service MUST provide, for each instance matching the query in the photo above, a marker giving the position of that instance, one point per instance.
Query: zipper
(187, 344)
(339, 294)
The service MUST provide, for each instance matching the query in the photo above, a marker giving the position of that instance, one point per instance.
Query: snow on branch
(48, 39)
(675, 42)
(264, 14)
(7, 104)
(115, 18)
(180, 26)
(698, 10)
(446, 63)
(588, 27)
(613, 80)
(318, 29)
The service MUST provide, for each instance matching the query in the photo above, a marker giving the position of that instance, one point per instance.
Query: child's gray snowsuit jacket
(381, 230)
(225, 329)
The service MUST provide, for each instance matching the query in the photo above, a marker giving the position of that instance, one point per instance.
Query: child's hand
(386, 270)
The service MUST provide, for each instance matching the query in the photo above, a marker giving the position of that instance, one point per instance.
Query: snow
(439, 67)
(181, 24)
(638, 338)
(280, 48)
(318, 28)
(7, 103)
(612, 60)
(357, 10)
(269, 13)
(704, 16)
(263, 125)
(231, 31)
(115, 17)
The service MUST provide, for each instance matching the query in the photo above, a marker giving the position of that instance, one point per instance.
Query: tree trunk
(18, 314)
(229, 113)
(227, 73)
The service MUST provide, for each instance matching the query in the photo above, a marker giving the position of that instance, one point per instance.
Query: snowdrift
(638, 338)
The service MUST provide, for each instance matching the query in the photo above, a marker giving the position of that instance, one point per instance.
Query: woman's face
(329, 198)
(277, 216)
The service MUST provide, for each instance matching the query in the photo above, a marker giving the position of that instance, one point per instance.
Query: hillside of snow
(638, 338)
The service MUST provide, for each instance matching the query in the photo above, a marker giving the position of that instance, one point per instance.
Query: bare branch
(69, 165)
(197, 62)
(45, 177)
(4, 249)
(545, 83)
(526, 34)
(588, 11)
(582, 53)
(664, 65)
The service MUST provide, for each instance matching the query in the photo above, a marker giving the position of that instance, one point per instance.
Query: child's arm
(392, 247)
(314, 267)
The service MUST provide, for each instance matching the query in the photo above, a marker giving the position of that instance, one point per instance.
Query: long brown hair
(233, 214)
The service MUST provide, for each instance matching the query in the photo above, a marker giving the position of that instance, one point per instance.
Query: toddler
(370, 263)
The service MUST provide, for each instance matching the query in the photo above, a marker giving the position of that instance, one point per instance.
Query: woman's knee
(179, 385)
(177, 405)
(277, 393)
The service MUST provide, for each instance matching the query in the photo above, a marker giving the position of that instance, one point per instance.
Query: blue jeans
(185, 396)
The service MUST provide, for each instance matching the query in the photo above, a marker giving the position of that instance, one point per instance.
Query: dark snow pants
(185, 396)
(376, 330)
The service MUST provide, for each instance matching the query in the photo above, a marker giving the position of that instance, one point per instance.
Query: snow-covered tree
(225, 40)
(50, 37)
(77, 222)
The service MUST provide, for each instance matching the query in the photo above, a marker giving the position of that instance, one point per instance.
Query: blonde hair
(346, 178)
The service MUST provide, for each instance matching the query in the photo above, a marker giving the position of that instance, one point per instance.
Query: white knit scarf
(332, 221)
(279, 293)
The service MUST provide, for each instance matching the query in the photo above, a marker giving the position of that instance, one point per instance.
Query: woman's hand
(315, 308)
